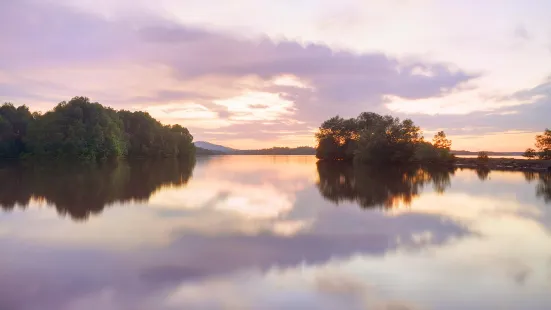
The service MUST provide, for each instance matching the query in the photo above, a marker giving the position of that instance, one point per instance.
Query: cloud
(526, 113)
(158, 62)
(522, 33)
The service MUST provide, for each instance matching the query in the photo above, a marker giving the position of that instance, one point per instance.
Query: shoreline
(507, 164)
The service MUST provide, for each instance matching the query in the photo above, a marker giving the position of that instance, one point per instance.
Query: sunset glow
(476, 70)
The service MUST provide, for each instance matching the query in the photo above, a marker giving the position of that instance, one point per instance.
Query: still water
(255, 232)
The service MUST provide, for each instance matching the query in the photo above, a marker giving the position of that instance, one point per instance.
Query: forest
(378, 139)
(84, 130)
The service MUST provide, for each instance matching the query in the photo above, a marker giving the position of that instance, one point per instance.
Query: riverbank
(505, 164)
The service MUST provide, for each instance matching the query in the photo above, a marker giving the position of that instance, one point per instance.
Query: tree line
(84, 130)
(378, 139)
(543, 147)
(301, 150)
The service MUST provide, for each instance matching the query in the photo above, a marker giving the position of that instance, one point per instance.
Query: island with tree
(377, 139)
(88, 131)
(84, 130)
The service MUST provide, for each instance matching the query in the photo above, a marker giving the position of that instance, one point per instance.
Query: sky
(261, 73)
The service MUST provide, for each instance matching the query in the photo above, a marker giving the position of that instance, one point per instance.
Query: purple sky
(258, 73)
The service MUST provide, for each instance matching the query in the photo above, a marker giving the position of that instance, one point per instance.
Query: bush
(483, 157)
(529, 153)
(426, 152)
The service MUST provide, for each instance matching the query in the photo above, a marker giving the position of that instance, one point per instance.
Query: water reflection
(543, 187)
(82, 190)
(264, 233)
(483, 173)
(372, 186)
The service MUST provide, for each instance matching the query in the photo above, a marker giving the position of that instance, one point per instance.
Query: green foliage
(530, 153)
(337, 139)
(13, 128)
(388, 141)
(147, 137)
(428, 153)
(83, 130)
(374, 138)
(77, 129)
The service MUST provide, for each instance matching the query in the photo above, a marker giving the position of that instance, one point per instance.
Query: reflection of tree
(482, 172)
(530, 176)
(369, 186)
(83, 190)
(543, 188)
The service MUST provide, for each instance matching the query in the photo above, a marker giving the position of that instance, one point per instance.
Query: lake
(272, 232)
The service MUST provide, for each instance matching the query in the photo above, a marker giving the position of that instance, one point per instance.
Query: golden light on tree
(441, 142)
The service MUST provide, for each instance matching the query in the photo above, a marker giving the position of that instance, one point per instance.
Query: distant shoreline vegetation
(207, 148)
(84, 130)
(376, 139)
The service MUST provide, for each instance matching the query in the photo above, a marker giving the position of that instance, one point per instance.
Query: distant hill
(207, 148)
(213, 147)
(202, 151)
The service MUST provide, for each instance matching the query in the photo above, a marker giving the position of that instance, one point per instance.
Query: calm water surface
(254, 232)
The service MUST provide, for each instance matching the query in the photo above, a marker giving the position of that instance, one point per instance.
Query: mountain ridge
(214, 147)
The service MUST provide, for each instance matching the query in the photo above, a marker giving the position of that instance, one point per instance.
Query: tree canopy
(84, 130)
(530, 153)
(373, 138)
(543, 144)
(13, 128)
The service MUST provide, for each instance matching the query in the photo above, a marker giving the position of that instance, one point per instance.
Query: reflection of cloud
(287, 248)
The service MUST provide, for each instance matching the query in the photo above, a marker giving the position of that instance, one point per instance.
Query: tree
(13, 128)
(337, 138)
(482, 157)
(78, 129)
(427, 153)
(530, 153)
(388, 140)
(374, 138)
(440, 142)
(543, 144)
(84, 130)
(147, 137)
